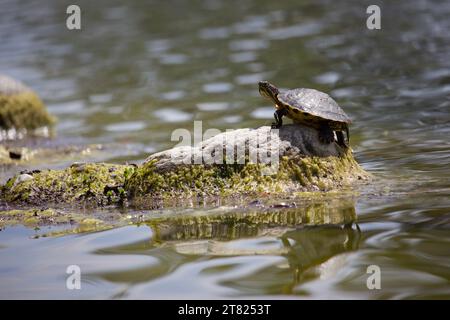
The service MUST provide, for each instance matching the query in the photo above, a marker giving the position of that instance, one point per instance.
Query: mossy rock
(96, 183)
(303, 165)
(20, 107)
(58, 222)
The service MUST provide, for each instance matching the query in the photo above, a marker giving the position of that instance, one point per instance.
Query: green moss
(31, 218)
(68, 222)
(9, 184)
(104, 184)
(100, 183)
(23, 111)
(293, 175)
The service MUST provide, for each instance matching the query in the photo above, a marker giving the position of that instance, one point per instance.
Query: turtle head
(268, 90)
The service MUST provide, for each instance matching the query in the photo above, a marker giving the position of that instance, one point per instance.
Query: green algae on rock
(20, 107)
(303, 164)
(98, 183)
(38, 217)
(62, 222)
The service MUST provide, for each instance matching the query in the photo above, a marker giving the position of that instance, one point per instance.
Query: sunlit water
(137, 71)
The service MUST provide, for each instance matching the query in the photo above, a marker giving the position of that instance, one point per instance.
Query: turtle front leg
(326, 134)
(278, 115)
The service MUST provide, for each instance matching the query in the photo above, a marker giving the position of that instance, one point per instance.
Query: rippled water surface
(138, 70)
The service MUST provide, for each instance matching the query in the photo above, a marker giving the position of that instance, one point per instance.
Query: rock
(244, 164)
(78, 166)
(14, 154)
(23, 177)
(291, 140)
(68, 221)
(20, 108)
(292, 160)
(95, 183)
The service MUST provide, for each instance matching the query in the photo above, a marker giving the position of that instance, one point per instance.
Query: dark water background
(138, 70)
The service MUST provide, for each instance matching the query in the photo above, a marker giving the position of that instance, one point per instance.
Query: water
(137, 71)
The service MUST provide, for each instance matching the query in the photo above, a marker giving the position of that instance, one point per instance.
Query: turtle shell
(310, 102)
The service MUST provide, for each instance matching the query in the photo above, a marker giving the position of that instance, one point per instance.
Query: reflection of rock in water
(311, 249)
(313, 239)
(235, 225)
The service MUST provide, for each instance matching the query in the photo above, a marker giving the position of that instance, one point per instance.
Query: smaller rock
(21, 109)
(22, 178)
(78, 166)
(15, 155)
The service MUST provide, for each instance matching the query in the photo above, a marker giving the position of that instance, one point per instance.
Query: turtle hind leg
(348, 135)
(278, 115)
(341, 139)
(326, 134)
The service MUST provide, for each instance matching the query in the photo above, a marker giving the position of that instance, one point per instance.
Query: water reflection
(229, 224)
(294, 241)
(314, 248)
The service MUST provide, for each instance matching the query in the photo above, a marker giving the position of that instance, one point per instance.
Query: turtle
(309, 107)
